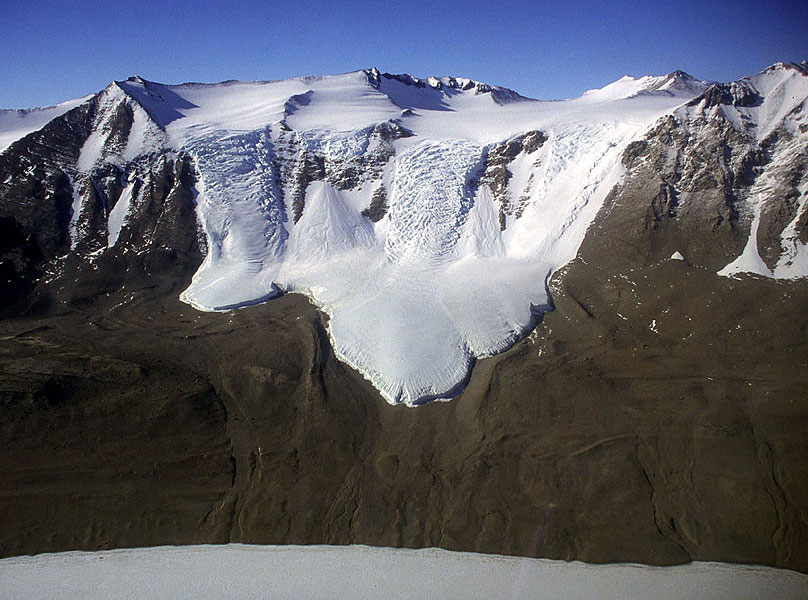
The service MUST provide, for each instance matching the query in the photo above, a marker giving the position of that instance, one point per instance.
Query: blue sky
(52, 51)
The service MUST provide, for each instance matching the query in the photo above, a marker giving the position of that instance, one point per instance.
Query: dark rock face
(496, 174)
(498, 94)
(310, 168)
(36, 189)
(731, 94)
(68, 253)
(657, 415)
(689, 187)
(157, 250)
(21, 264)
(378, 206)
(740, 93)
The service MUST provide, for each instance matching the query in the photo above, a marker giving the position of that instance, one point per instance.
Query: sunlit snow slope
(14, 124)
(422, 215)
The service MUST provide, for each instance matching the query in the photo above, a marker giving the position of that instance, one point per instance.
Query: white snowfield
(415, 298)
(15, 124)
(350, 572)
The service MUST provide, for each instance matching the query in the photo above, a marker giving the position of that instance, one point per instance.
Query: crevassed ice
(415, 299)
(243, 217)
(430, 200)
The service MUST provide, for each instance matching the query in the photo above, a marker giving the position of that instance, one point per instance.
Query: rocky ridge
(656, 415)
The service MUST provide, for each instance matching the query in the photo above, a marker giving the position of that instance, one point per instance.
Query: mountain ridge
(457, 191)
(656, 414)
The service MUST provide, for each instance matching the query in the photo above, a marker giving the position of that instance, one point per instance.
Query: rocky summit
(220, 303)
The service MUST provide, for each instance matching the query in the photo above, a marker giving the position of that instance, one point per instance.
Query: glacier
(446, 275)
(416, 297)
(423, 216)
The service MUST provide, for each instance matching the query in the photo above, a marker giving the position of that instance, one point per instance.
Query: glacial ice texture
(416, 298)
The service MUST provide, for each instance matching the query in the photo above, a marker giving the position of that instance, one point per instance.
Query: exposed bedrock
(657, 415)
(643, 421)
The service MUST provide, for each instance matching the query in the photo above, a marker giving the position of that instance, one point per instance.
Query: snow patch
(93, 150)
(677, 84)
(118, 214)
(75, 211)
(749, 261)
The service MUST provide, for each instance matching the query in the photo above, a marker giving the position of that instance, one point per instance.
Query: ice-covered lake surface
(336, 572)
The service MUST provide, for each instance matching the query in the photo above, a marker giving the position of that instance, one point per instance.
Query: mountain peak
(676, 83)
(446, 84)
(800, 67)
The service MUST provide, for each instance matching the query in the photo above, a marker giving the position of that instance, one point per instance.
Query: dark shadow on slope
(537, 311)
(161, 103)
(407, 92)
(294, 103)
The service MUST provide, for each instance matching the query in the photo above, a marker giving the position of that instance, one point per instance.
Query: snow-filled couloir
(424, 216)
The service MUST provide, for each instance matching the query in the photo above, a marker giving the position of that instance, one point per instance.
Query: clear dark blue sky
(55, 50)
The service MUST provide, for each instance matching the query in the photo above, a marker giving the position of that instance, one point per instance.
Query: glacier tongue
(443, 270)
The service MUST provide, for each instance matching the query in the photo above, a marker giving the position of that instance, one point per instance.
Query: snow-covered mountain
(722, 181)
(424, 216)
